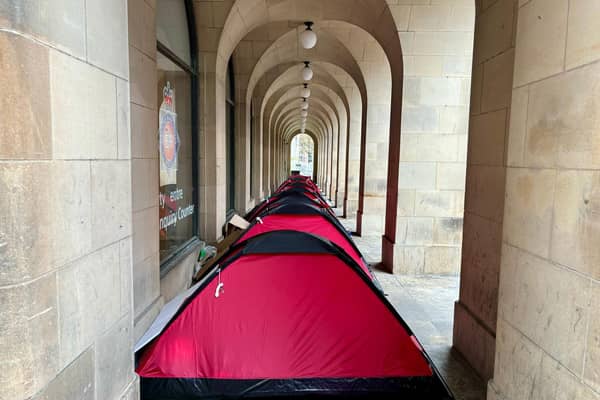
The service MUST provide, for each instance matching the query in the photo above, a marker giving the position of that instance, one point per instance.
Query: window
(230, 140)
(252, 148)
(177, 125)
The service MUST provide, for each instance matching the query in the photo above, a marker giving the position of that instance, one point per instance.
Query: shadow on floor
(427, 305)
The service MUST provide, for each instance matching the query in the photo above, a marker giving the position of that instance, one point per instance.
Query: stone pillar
(437, 45)
(476, 309)
(547, 341)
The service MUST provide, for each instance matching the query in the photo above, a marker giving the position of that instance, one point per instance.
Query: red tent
(291, 310)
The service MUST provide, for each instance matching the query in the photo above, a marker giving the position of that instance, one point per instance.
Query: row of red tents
(290, 310)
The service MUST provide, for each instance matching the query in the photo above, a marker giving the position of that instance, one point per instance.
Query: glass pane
(176, 207)
(172, 27)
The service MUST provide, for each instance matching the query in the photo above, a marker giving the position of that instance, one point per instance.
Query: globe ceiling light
(304, 105)
(305, 91)
(307, 72)
(308, 37)
(304, 113)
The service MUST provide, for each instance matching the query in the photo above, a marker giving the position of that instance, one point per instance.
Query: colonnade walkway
(427, 304)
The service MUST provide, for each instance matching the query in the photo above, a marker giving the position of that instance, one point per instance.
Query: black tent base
(413, 388)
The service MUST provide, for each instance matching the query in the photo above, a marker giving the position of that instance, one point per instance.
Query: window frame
(230, 141)
(184, 250)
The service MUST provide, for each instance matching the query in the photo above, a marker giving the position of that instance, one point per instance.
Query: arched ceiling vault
(373, 16)
(292, 76)
(292, 118)
(318, 108)
(320, 97)
(286, 49)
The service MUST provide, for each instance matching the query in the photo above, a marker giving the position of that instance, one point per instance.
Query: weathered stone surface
(40, 213)
(549, 304)
(111, 201)
(454, 120)
(133, 391)
(145, 234)
(554, 381)
(406, 203)
(106, 22)
(443, 203)
(517, 360)
(495, 30)
(429, 148)
(480, 268)
(88, 303)
(492, 394)
(146, 283)
(563, 122)
(25, 127)
(142, 26)
(528, 209)
(487, 134)
(143, 79)
(576, 224)
(126, 271)
(517, 127)
(474, 341)
(58, 22)
(123, 120)
(415, 231)
(442, 91)
(417, 175)
(591, 373)
(114, 359)
(444, 43)
(541, 39)
(451, 176)
(485, 191)
(442, 260)
(409, 260)
(144, 129)
(448, 231)
(145, 183)
(497, 82)
(86, 99)
(144, 319)
(76, 381)
(583, 34)
(420, 119)
(28, 337)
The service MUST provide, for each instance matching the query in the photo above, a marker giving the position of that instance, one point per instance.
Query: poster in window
(168, 138)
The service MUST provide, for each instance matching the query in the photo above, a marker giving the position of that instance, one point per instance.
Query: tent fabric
(292, 310)
(315, 224)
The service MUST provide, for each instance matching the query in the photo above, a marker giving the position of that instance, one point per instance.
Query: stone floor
(427, 305)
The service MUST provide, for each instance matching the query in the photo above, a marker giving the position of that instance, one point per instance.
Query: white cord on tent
(219, 289)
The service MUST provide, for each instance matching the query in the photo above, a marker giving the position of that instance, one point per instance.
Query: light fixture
(308, 37)
(307, 72)
(304, 113)
(304, 105)
(305, 91)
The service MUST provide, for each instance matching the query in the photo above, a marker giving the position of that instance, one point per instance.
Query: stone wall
(65, 185)
(476, 311)
(437, 46)
(547, 343)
